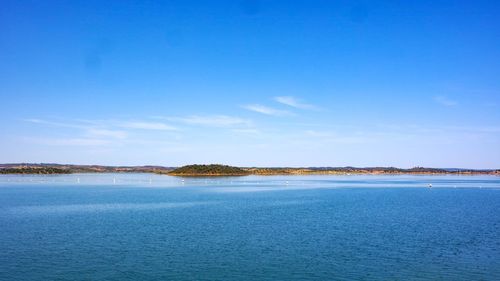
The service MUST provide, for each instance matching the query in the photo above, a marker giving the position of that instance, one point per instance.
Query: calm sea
(150, 227)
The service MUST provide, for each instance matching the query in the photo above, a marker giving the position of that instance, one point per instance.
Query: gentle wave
(88, 208)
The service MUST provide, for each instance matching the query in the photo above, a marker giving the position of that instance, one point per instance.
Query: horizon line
(268, 167)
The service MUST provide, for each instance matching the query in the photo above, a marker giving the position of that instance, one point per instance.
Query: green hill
(34, 170)
(208, 170)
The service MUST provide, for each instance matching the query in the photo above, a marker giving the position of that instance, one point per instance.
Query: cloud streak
(247, 131)
(294, 102)
(70, 141)
(55, 124)
(157, 126)
(266, 110)
(117, 134)
(212, 120)
(442, 100)
(97, 132)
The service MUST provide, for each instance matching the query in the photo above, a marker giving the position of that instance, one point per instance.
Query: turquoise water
(149, 227)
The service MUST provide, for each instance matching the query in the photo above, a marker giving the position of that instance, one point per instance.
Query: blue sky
(251, 83)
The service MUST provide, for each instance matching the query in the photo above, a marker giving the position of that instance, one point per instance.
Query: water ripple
(89, 208)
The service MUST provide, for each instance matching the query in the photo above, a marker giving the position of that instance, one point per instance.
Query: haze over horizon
(251, 83)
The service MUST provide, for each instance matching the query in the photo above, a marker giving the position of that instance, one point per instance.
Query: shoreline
(62, 169)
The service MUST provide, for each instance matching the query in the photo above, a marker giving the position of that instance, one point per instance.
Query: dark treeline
(208, 170)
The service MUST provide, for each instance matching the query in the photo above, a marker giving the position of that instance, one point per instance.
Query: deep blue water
(143, 227)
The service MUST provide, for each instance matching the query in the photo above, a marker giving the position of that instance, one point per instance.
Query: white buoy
(430, 185)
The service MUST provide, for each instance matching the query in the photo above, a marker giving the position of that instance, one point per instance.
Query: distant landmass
(34, 170)
(208, 170)
(224, 170)
(50, 168)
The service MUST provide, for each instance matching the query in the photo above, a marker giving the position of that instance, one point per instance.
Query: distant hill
(50, 168)
(208, 170)
(223, 170)
(34, 170)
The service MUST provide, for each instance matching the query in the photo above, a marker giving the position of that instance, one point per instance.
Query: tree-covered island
(208, 170)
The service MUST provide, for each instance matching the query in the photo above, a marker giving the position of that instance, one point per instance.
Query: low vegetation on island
(208, 170)
(43, 168)
(34, 170)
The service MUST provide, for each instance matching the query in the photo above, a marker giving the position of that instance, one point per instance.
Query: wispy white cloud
(34, 120)
(329, 136)
(117, 134)
(442, 100)
(98, 132)
(70, 141)
(315, 133)
(157, 126)
(477, 129)
(266, 110)
(96, 126)
(212, 120)
(53, 123)
(247, 131)
(294, 102)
